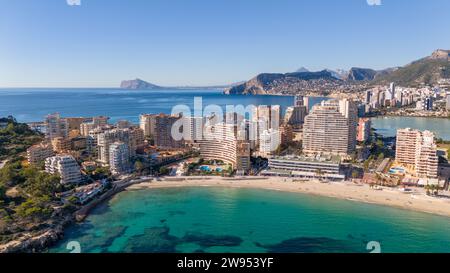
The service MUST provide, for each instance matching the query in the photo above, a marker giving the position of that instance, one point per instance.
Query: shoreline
(416, 200)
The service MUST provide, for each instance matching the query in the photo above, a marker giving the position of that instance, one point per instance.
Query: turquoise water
(387, 126)
(249, 220)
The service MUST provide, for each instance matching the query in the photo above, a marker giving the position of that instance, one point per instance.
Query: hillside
(427, 71)
(271, 83)
(15, 138)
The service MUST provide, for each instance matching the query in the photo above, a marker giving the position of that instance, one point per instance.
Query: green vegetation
(28, 195)
(164, 171)
(99, 173)
(15, 138)
(426, 71)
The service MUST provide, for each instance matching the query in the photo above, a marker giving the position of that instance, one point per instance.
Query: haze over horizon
(99, 43)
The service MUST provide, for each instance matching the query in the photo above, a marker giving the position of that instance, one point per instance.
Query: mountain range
(428, 71)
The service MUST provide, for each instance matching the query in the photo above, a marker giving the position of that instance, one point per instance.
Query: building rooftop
(318, 158)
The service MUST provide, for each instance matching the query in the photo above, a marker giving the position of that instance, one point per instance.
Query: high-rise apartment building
(56, 126)
(220, 143)
(105, 140)
(119, 158)
(417, 149)
(136, 140)
(295, 116)
(364, 127)
(163, 132)
(269, 141)
(67, 168)
(147, 124)
(330, 128)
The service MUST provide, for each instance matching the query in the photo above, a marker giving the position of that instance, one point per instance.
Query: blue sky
(47, 43)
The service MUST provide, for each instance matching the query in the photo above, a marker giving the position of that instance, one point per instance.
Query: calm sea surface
(249, 220)
(34, 104)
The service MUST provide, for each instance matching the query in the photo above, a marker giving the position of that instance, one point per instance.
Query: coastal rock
(29, 242)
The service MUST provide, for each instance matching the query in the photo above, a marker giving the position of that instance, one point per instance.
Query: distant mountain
(428, 70)
(269, 83)
(361, 74)
(138, 84)
(302, 69)
(338, 73)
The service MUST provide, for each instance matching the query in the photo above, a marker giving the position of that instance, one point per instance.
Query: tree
(2, 192)
(139, 166)
(35, 208)
(40, 184)
(164, 171)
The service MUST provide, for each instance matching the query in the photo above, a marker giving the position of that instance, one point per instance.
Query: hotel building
(305, 167)
(330, 128)
(38, 153)
(418, 150)
(220, 143)
(119, 158)
(67, 168)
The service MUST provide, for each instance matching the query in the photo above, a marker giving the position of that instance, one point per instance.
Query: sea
(227, 219)
(212, 220)
(33, 104)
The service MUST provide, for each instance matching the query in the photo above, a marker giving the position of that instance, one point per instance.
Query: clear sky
(47, 43)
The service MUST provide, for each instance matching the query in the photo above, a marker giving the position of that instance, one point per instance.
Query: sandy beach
(415, 200)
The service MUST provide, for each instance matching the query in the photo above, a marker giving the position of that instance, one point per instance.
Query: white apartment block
(220, 143)
(269, 141)
(67, 168)
(119, 158)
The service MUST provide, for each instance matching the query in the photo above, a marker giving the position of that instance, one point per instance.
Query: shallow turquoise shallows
(249, 220)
